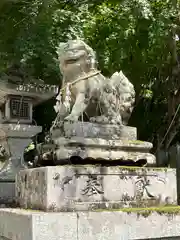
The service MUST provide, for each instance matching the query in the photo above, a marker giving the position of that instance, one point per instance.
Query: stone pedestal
(99, 142)
(14, 138)
(82, 188)
(101, 150)
(95, 130)
(19, 224)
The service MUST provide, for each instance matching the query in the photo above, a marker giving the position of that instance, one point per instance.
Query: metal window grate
(19, 109)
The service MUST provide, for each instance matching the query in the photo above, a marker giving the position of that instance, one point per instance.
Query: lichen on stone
(145, 212)
(144, 168)
(135, 141)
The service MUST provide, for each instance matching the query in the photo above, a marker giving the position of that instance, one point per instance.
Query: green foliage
(136, 36)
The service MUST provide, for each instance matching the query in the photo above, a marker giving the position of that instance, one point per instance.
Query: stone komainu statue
(86, 91)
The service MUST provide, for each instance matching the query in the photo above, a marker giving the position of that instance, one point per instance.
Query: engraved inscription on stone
(86, 188)
(143, 186)
(93, 186)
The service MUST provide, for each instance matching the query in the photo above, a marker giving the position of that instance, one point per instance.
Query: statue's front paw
(71, 118)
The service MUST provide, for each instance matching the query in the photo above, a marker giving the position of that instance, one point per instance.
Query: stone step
(94, 143)
(95, 130)
(89, 187)
(122, 224)
(100, 149)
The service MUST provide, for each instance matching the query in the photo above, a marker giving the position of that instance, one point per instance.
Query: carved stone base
(99, 149)
(98, 142)
(95, 130)
(74, 188)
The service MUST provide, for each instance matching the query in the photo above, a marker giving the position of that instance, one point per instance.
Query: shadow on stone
(76, 160)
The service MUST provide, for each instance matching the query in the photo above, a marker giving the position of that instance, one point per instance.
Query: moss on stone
(140, 168)
(32, 210)
(135, 141)
(29, 209)
(123, 168)
(161, 210)
(131, 168)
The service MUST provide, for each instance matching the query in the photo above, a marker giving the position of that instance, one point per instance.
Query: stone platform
(85, 188)
(18, 224)
(97, 142)
(98, 149)
(95, 130)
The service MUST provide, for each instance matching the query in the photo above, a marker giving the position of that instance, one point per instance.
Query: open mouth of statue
(70, 61)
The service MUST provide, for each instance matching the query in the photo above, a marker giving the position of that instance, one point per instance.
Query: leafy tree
(138, 36)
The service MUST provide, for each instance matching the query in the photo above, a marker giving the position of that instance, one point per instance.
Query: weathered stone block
(19, 224)
(95, 130)
(70, 188)
(99, 149)
(106, 150)
(98, 142)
